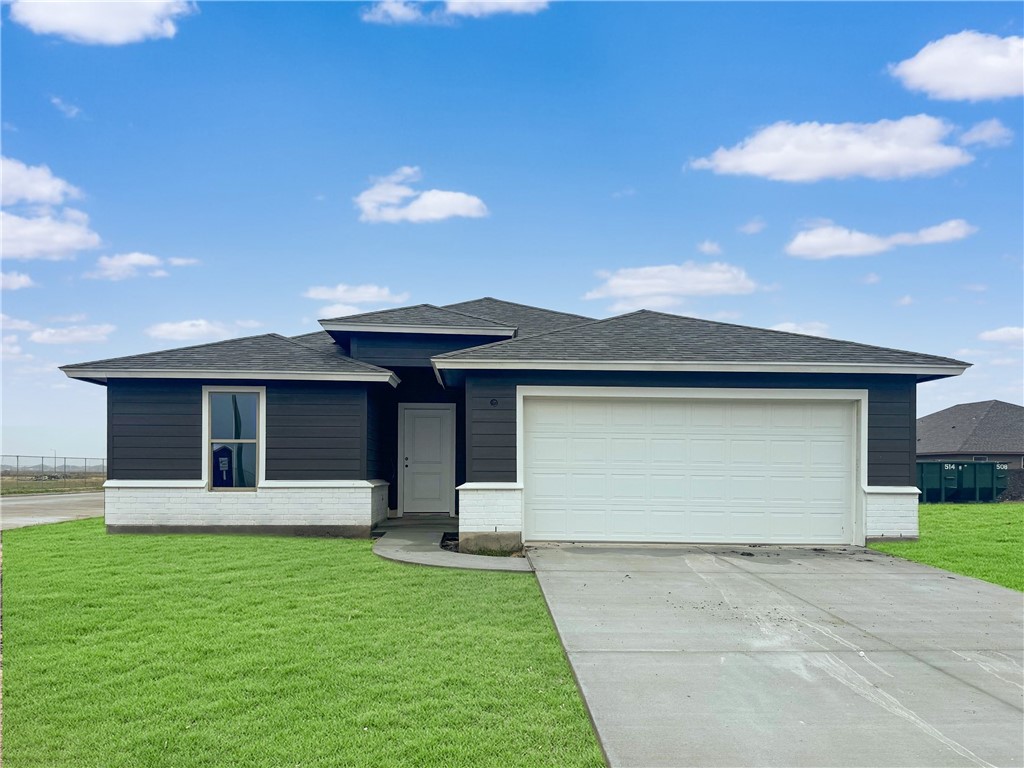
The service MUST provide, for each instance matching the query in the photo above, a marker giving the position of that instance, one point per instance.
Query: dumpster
(961, 481)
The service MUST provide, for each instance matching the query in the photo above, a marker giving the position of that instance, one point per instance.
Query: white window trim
(261, 432)
(859, 397)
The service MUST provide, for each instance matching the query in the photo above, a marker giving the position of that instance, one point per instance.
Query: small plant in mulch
(450, 542)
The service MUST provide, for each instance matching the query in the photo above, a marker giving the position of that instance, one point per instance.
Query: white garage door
(665, 470)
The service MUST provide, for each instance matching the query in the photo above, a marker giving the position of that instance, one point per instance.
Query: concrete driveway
(36, 509)
(787, 656)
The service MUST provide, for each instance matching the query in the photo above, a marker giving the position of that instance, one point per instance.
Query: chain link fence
(21, 474)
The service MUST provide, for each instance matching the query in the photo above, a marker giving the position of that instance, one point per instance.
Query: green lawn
(981, 540)
(247, 651)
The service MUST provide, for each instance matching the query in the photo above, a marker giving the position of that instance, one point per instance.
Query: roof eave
(447, 330)
(923, 372)
(101, 376)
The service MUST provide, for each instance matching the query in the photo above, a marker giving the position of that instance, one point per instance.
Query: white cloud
(68, 110)
(752, 227)
(32, 184)
(49, 236)
(13, 281)
(904, 301)
(478, 9)
(966, 66)
(809, 328)
(871, 278)
(123, 266)
(9, 323)
(390, 199)
(76, 318)
(248, 323)
(1007, 334)
(188, 330)
(709, 247)
(975, 287)
(102, 23)
(1005, 361)
(356, 294)
(175, 261)
(342, 310)
(395, 12)
(828, 241)
(73, 334)
(624, 192)
(409, 12)
(9, 348)
(887, 149)
(661, 287)
(990, 133)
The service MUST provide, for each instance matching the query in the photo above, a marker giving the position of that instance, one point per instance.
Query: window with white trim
(233, 448)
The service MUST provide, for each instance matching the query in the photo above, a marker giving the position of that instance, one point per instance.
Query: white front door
(426, 456)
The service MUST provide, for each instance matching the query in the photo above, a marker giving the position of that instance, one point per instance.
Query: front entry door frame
(448, 487)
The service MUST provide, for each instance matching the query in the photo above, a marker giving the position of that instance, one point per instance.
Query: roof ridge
(360, 363)
(520, 304)
(458, 352)
(477, 318)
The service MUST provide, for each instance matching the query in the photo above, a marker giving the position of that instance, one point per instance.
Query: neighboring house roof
(268, 356)
(991, 426)
(647, 340)
(529, 320)
(420, 318)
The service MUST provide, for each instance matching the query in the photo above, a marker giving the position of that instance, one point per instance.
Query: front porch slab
(417, 540)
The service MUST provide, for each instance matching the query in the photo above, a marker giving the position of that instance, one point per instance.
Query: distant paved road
(19, 511)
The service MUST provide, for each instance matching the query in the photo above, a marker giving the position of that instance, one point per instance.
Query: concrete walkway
(36, 509)
(787, 656)
(416, 539)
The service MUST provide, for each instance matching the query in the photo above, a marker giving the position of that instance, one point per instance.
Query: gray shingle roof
(991, 426)
(529, 320)
(266, 353)
(419, 314)
(657, 337)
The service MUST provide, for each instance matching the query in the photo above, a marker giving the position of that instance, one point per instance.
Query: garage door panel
(706, 451)
(673, 488)
(749, 451)
(546, 449)
(628, 450)
(708, 415)
(700, 471)
(588, 450)
(588, 485)
(667, 450)
(623, 486)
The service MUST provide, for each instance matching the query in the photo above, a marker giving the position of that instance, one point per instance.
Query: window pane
(234, 465)
(233, 415)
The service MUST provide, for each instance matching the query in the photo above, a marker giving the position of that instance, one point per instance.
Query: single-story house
(987, 431)
(526, 423)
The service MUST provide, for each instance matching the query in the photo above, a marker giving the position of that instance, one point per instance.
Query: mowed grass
(257, 651)
(981, 540)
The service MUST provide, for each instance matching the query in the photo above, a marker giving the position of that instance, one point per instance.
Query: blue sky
(178, 173)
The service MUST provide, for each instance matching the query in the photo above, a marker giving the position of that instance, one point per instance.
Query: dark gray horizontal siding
(491, 429)
(316, 431)
(154, 430)
(409, 350)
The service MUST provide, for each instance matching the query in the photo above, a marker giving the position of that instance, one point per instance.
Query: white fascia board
(102, 374)
(447, 330)
(712, 367)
